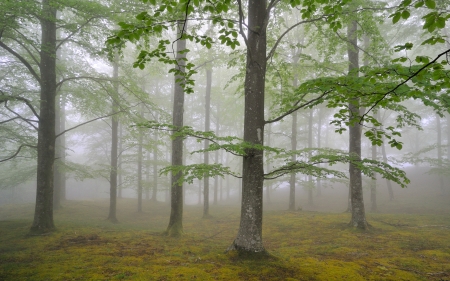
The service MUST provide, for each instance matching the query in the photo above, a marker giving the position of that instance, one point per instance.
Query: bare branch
(87, 122)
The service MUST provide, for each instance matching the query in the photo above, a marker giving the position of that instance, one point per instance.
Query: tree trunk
(119, 163)
(139, 165)
(439, 151)
(373, 184)
(294, 132)
(147, 176)
(216, 157)
(155, 167)
(114, 147)
(249, 237)
(310, 137)
(207, 129)
(385, 160)
(175, 227)
(319, 131)
(57, 179)
(358, 212)
(268, 183)
(43, 214)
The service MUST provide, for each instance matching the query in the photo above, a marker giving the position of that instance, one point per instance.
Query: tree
(175, 227)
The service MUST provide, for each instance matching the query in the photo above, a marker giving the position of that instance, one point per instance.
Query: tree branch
(297, 107)
(5, 98)
(23, 60)
(87, 122)
(241, 21)
(17, 152)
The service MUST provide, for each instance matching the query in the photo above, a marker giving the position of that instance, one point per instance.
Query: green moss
(301, 246)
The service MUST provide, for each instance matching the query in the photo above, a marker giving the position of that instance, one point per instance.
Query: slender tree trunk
(294, 132)
(388, 182)
(207, 129)
(155, 167)
(139, 165)
(439, 151)
(175, 227)
(119, 162)
(268, 182)
(147, 176)
(57, 179)
(249, 237)
(373, 185)
(310, 137)
(112, 217)
(319, 132)
(43, 214)
(358, 212)
(216, 157)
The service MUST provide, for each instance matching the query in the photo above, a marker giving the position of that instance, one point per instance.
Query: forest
(224, 140)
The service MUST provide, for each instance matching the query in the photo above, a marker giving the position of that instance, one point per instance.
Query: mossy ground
(302, 246)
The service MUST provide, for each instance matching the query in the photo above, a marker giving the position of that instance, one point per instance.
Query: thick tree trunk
(358, 212)
(43, 214)
(249, 237)
(112, 217)
(175, 227)
(207, 128)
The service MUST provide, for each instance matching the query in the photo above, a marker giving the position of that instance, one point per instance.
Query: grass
(303, 246)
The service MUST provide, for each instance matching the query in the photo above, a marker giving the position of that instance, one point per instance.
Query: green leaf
(430, 4)
(405, 14)
(396, 17)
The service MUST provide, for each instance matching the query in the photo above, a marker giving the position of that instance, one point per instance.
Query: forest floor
(304, 245)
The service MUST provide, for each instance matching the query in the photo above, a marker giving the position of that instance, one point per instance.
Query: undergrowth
(301, 246)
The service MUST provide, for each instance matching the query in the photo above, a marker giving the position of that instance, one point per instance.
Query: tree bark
(294, 132)
(175, 227)
(119, 162)
(358, 212)
(268, 183)
(249, 237)
(112, 216)
(319, 132)
(216, 157)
